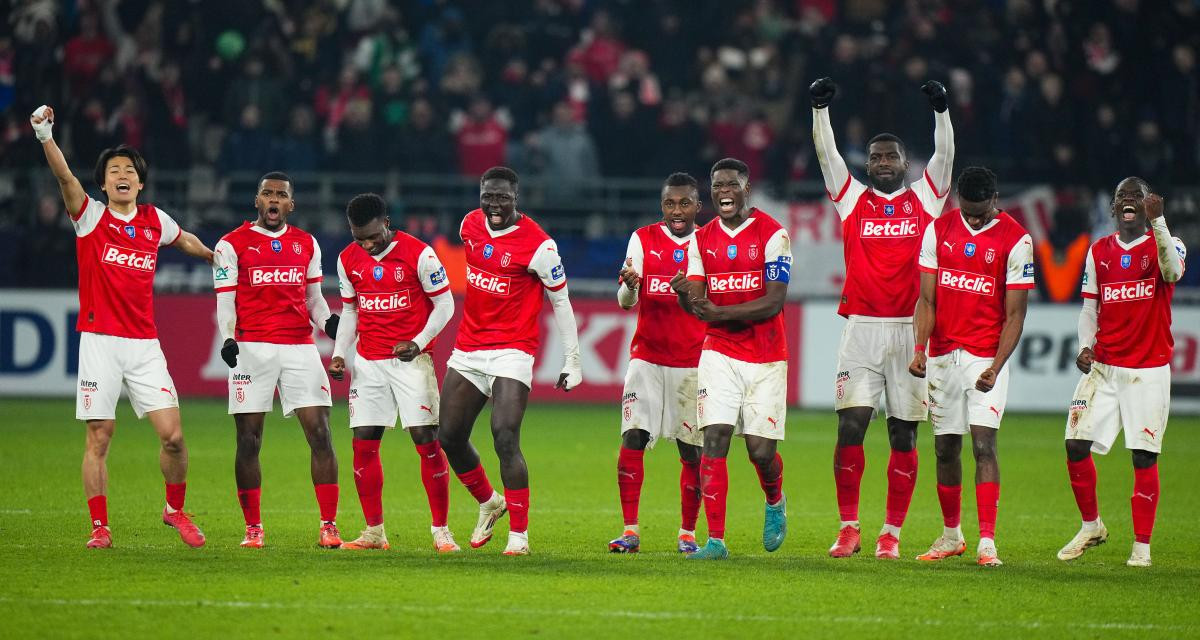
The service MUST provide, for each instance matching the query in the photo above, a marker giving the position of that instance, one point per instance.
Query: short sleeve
(548, 266)
(225, 267)
(345, 286)
(1089, 288)
(777, 258)
(636, 253)
(314, 264)
(695, 264)
(1020, 264)
(88, 216)
(432, 272)
(170, 228)
(928, 261)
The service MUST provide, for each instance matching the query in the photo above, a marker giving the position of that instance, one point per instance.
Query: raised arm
(1171, 252)
(72, 191)
(934, 185)
(833, 166)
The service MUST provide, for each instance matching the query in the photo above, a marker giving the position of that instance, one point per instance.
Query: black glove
(937, 95)
(822, 92)
(229, 352)
(331, 326)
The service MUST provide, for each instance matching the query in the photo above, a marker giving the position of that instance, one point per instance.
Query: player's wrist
(919, 349)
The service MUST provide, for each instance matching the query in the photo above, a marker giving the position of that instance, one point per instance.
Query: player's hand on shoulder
(42, 120)
(337, 368)
(937, 95)
(406, 350)
(986, 380)
(1084, 360)
(572, 374)
(917, 366)
(331, 326)
(822, 92)
(1153, 205)
(629, 276)
(229, 352)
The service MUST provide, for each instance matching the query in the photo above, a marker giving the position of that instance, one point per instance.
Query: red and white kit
(1127, 312)
(974, 271)
(389, 298)
(742, 375)
(118, 343)
(274, 278)
(660, 384)
(881, 235)
(508, 272)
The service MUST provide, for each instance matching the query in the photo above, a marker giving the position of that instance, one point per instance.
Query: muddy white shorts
(1112, 399)
(661, 401)
(482, 368)
(954, 402)
(873, 359)
(751, 396)
(108, 362)
(295, 369)
(381, 390)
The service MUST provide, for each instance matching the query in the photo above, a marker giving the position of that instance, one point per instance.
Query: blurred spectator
(624, 136)
(601, 49)
(298, 148)
(331, 101)
(167, 118)
(364, 147)
(255, 87)
(425, 147)
(480, 137)
(567, 153)
(49, 244)
(248, 147)
(84, 54)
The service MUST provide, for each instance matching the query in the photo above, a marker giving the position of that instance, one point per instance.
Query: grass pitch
(151, 585)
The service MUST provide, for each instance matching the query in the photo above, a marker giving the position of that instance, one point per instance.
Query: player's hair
(276, 175)
(742, 169)
(976, 184)
(1140, 182)
(365, 207)
(680, 179)
(121, 151)
(500, 173)
(887, 137)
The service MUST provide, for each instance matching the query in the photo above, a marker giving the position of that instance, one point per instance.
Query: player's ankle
(953, 533)
(633, 528)
(890, 529)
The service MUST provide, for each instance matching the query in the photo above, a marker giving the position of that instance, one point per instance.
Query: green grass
(152, 585)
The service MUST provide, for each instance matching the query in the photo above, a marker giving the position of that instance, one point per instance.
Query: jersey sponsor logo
(130, 231)
(1126, 260)
(438, 277)
(489, 282)
(1128, 291)
(398, 273)
(990, 256)
(377, 272)
(965, 281)
(1027, 272)
(296, 247)
(488, 250)
(656, 285)
(889, 210)
(275, 276)
(384, 302)
(731, 251)
(129, 258)
(906, 228)
(736, 282)
(557, 272)
(969, 249)
(678, 255)
(221, 273)
(276, 246)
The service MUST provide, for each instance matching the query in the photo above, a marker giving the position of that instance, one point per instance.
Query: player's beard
(889, 185)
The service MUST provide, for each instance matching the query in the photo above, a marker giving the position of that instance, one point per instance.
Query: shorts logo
(260, 276)
(129, 258)
(906, 228)
(990, 256)
(1126, 260)
(240, 379)
(907, 208)
(702, 394)
(629, 397)
(678, 255)
(276, 246)
(240, 395)
(1128, 291)
(491, 283)
(656, 285)
(296, 247)
(753, 253)
(398, 273)
(889, 210)
(130, 231)
(731, 251)
(842, 378)
(969, 249)
(506, 260)
(377, 272)
(353, 393)
(737, 282)
(1145, 261)
(488, 250)
(383, 302)
(968, 282)
(87, 402)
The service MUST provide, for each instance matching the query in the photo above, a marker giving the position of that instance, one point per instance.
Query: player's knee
(248, 443)
(852, 428)
(635, 439)
(173, 443)
(99, 435)
(946, 450)
(508, 446)
(902, 435)
(419, 435)
(1143, 459)
(984, 449)
(1078, 449)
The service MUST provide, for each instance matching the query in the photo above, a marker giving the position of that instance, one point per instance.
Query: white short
(295, 369)
(661, 401)
(482, 368)
(954, 402)
(107, 362)
(873, 359)
(1113, 399)
(382, 389)
(751, 396)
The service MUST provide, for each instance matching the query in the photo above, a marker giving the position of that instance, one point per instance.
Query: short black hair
(887, 137)
(976, 184)
(742, 169)
(276, 175)
(365, 207)
(500, 173)
(1140, 182)
(681, 179)
(121, 151)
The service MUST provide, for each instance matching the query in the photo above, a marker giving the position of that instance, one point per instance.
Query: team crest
(678, 255)
(889, 209)
(488, 250)
(146, 231)
(377, 273)
(276, 246)
(1126, 260)
(87, 402)
(989, 256)
(130, 231)
(506, 260)
(398, 273)
(296, 247)
(907, 208)
(969, 249)
(753, 251)
(731, 251)
(1145, 261)
(240, 395)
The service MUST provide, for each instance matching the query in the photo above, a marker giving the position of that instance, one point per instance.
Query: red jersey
(117, 257)
(1133, 302)
(666, 335)
(881, 238)
(270, 272)
(393, 292)
(974, 271)
(736, 265)
(506, 273)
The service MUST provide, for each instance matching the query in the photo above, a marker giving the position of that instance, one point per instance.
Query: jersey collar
(677, 239)
(733, 232)
(995, 221)
(1141, 239)
(890, 196)
(503, 232)
(383, 254)
(268, 233)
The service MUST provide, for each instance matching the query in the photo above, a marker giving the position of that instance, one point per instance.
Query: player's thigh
(906, 394)
(679, 406)
(642, 399)
(764, 411)
(146, 378)
(470, 366)
(512, 364)
(414, 386)
(947, 395)
(100, 377)
(984, 409)
(253, 380)
(303, 381)
(461, 402)
(719, 392)
(860, 375)
(1094, 414)
(1144, 399)
(371, 400)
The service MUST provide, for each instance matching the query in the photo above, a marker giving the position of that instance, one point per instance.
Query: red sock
(175, 494)
(689, 494)
(327, 499)
(98, 507)
(435, 474)
(1144, 502)
(902, 479)
(950, 498)
(1083, 483)
(987, 501)
(714, 488)
(249, 499)
(772, 488)
(368, 479)
(518, 509)
(476, 482)
(630, 472)
(848, 465)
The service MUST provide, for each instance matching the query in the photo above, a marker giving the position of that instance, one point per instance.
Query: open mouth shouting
(123, 188)
(726, 205)
(1128, 213)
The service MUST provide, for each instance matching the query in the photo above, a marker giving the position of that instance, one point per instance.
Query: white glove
(574, 370)
(41, 130)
